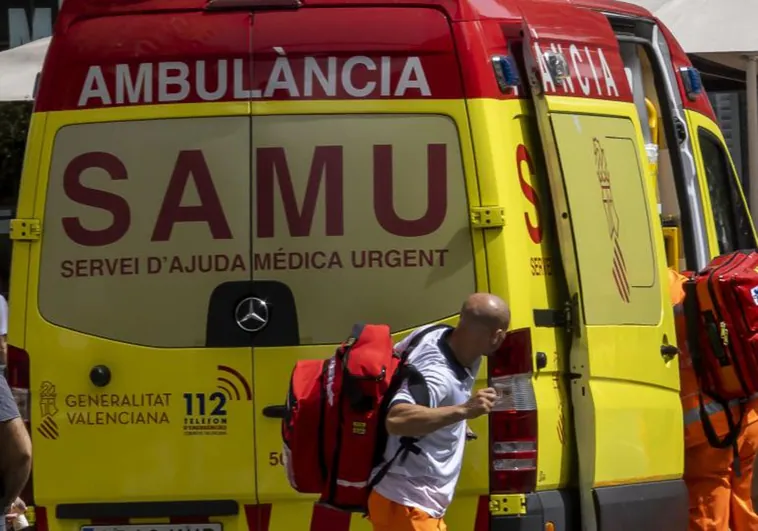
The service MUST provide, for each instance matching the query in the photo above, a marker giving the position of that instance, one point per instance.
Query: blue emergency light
(693, 83)
(506, 72)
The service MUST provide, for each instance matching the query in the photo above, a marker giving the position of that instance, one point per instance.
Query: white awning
(709, 26)
(19, 68)
(724, 31)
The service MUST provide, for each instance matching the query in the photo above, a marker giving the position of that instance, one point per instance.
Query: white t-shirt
(3, 316)
(427, 481)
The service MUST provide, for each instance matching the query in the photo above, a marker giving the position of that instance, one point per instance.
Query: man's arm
(408, 419)
(412, 420)
(15, 448)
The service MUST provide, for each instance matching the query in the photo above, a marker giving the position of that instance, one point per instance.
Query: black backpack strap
(355, 333)
(414, 342)
(694, 323)
(408, 445)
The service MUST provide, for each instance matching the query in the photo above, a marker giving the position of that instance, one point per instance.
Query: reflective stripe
(693, 415)
(352, 484)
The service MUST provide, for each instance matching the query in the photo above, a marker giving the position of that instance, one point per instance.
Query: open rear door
(624, 383)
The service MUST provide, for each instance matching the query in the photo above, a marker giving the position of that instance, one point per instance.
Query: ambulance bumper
(558, 506)
(654, 505)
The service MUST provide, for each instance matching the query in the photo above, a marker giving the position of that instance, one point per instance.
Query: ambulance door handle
(100, 376)
(275, 412)
(669, 351)
(574, 375)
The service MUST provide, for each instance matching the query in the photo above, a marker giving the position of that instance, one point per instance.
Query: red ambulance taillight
(18, 378)
(513, 421)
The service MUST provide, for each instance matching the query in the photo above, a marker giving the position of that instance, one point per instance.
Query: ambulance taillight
(18, 379)
(513, 421)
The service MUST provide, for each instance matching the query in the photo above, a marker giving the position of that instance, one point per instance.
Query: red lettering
(436, 208)
(534, 229)
(326, 165)
(113, 203)
(191, 163)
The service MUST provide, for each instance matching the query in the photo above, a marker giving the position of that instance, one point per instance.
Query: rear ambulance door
(624, 390)
(142, 388)
(362, 171)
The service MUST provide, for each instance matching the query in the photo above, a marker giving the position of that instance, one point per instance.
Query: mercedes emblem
(252, 314)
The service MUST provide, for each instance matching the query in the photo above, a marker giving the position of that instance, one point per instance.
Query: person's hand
(480, 404)
(18, 507)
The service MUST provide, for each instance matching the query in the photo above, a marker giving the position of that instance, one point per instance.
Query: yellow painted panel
(613, 252)
(163, 463)
(613, 235)
(524, 263)
(420, 296)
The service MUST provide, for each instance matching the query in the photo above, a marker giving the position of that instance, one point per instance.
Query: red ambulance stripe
(622, 267)
(624, 279)
(110, 521)
(617, 279)
(621, 271)
(620, 253)
(258, 517)
(326, 519)
(189, 520)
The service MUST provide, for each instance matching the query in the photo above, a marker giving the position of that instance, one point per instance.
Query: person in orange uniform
(719, 499)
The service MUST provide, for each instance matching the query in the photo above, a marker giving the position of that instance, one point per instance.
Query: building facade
(22, 21)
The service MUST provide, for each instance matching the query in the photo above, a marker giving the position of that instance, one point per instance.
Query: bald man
(415, 494)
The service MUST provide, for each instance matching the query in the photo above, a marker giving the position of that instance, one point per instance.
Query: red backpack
(334, 427)
(721, 311)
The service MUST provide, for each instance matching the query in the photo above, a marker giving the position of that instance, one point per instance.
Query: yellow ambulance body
(214, 189)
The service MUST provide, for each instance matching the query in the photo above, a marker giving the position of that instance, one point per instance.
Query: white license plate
(154, 527)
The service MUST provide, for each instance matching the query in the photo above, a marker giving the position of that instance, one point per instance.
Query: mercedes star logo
(251, 314)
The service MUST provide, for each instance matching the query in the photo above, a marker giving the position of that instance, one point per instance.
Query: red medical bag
(334, 427)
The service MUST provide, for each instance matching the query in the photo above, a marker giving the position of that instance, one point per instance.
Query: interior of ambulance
(663, 133)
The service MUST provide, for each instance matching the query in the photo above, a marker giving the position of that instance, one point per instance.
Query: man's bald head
(485, 309)
(481, 330)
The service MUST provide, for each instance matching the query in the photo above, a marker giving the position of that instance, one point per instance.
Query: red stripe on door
(258, 517)
(326, 519)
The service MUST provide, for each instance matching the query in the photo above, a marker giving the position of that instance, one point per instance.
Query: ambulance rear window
(362, 217)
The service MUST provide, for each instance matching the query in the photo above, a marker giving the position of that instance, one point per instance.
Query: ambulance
(215, 189)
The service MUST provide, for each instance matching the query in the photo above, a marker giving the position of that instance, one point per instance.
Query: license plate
(154, 527)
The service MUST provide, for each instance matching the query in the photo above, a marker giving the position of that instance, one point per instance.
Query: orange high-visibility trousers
(719, 500)
(386, 515)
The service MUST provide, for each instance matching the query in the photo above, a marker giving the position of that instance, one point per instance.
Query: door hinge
(25, 229)
(507, 504)
(564, 318)
(487, 217)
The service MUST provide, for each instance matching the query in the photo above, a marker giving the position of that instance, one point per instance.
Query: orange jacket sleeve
(676, 289)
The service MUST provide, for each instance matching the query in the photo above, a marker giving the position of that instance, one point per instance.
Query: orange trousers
(719, 500)
(386, 515)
